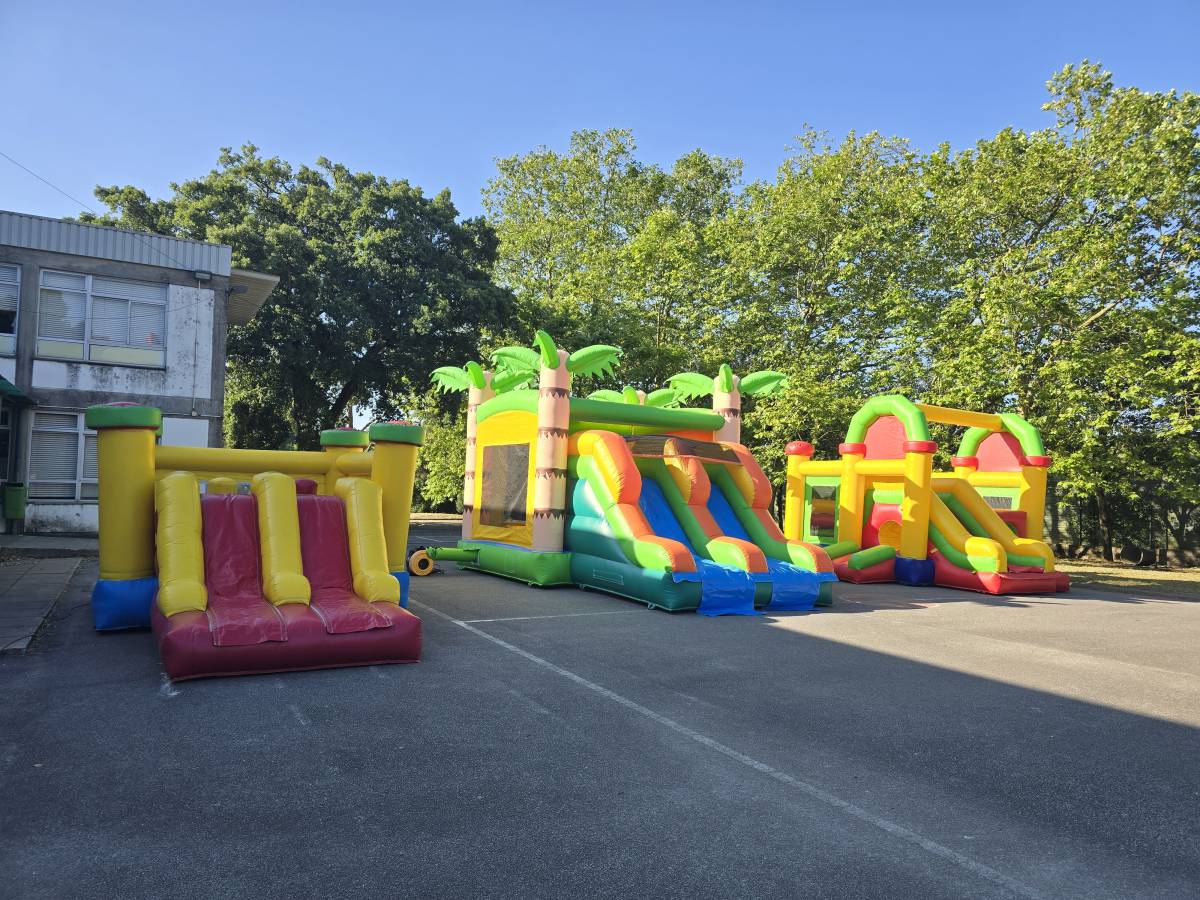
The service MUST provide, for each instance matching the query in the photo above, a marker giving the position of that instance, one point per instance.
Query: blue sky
(145, 93)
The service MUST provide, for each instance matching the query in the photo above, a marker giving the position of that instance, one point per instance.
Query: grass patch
(1183, 584)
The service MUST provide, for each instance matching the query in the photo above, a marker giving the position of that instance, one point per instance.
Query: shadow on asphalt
(480, 773)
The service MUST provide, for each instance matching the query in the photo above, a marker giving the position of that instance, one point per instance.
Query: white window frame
(82, 433)
(87, 323)
(17, 312)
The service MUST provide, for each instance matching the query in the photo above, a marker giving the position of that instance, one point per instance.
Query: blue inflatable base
(915, 572)
(117, 605)
(403, 578)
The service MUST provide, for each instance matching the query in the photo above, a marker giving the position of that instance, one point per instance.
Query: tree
(1071, 291)
(378, 284)
(597, 245)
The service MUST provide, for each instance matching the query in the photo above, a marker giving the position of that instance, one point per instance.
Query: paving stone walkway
(29, 591)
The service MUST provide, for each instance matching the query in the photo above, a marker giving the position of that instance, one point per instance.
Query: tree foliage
(378, 284)
(1055, 273)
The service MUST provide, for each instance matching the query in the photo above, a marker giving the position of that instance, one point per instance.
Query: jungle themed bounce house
(256, 560)
(626, 493)
(620, 492)
(883, 514)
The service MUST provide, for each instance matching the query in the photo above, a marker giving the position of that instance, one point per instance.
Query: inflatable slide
(620, 493)
(883, 514)
(256, 561)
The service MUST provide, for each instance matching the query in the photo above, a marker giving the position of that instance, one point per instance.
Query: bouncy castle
(883, 514)
(621, 493)
(256, 560)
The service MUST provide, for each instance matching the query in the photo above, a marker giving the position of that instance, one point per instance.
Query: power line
(136, 236)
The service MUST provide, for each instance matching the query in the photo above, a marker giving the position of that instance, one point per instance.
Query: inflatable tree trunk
(728, 404)
(550, 462)
(475, 396)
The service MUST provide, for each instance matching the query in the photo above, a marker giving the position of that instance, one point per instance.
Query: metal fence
(1150, 529)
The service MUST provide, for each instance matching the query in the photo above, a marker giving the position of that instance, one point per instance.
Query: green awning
(12, 393)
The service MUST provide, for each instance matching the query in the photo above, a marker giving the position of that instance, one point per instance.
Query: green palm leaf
(689, 385)
(764, 382)
(630, 395)
(609, 396)
(545, 343)
(725, 377)
(662, 397)
(450, 378)
(475, 374)
(511, 380)
(598, 359)
(516, 359)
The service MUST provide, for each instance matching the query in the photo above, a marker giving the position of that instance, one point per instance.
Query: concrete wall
(185, 432)
(62, 518)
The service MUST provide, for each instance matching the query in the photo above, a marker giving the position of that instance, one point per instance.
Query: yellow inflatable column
(125, 449)
(1033, 495)
(850, 494)
(368, 551)
(798, 453)
(338, 442)
(393, 467)
(915, 502)
(279, 539)
(179, 544)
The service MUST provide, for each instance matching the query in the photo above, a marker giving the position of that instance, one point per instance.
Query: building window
(62, 458)
(98, 319)
(10, 295)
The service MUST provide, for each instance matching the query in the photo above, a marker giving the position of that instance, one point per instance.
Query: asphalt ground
(556, 743)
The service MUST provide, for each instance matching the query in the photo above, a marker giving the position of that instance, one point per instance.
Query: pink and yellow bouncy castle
(882, 513)
(256, 560)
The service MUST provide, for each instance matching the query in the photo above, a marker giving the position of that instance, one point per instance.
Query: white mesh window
(64, 281)
(100, 319)
(61, 314)
(56, 421)
(10, 292)
(53, 464)
(110, 320)
(56, 471)
(128, 290)
(91, 466)
(147, 325)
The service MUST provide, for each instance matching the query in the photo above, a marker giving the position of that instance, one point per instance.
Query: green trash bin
(15, 496)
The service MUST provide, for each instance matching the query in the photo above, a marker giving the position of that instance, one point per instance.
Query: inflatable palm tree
(726, 390)
(554, 368)
(660, 398)
(480, 385)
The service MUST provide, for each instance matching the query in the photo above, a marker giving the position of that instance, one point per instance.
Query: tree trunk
(550, 457)
(1104, 513)
(729, 407)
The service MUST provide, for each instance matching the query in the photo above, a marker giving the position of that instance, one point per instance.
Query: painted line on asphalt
(974, 867)
(607, 612)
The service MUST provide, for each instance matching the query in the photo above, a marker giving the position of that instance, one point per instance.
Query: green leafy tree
(378, 283)
(595, 244)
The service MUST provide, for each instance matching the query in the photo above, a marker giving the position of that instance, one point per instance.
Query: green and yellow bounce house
(622, 492)
(883, 514)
